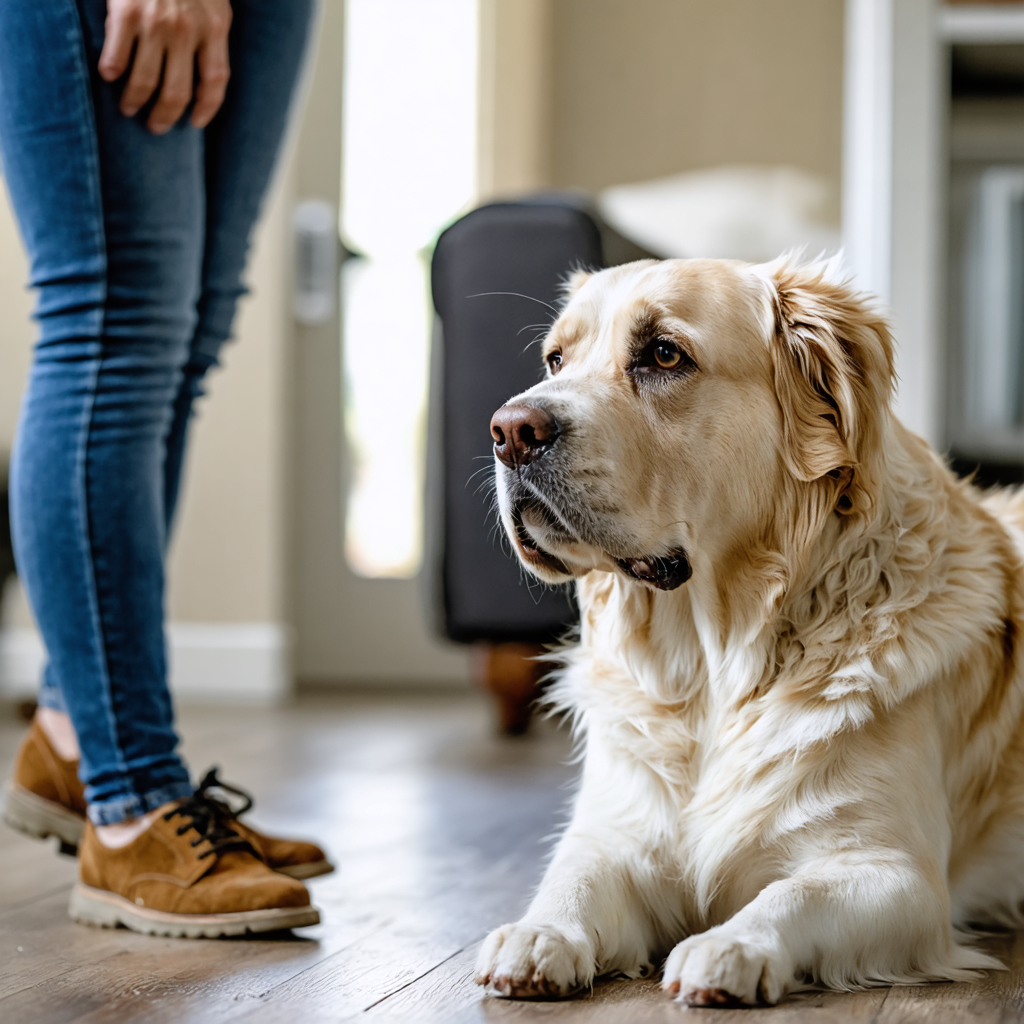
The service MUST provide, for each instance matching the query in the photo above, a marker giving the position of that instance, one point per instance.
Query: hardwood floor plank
(36, 943)
(146, 977)
(31, 869)
(997, 996)
(455, 904)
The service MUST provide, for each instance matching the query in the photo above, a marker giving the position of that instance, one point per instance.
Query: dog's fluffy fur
(803, 765)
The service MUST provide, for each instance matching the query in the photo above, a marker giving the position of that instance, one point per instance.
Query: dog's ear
(832, 361)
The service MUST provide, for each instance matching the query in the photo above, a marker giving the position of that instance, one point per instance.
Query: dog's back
(1007, 505)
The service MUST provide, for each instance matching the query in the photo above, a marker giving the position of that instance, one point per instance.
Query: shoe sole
(41, 818)
(311, 869)
(104, 909)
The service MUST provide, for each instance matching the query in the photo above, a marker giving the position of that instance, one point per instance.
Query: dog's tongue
(664, 573)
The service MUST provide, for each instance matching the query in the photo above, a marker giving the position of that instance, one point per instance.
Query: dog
(798, 678)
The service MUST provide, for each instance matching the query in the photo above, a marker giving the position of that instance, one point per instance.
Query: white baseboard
(21, 662)
(235, 663)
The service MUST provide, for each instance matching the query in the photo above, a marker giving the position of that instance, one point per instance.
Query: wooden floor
(439, 829)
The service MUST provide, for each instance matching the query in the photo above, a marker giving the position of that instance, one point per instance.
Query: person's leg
(118, 266)
(113, 220)
(267, 43)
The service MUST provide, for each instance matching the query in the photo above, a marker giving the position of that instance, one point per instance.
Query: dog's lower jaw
(541, 563)
(555, 557)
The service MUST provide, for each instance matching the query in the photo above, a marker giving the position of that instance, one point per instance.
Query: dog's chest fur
(716, 784)
(711, 803)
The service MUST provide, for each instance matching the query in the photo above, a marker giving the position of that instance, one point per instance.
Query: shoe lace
(211, 817)
(210, 782)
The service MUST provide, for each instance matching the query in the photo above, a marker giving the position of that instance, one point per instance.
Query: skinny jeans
(137, 244)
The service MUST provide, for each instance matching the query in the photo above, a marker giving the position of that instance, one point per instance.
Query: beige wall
(572, 93)
(591, 93)
(259, 531)
(16, 330)
(624, 90)
(516, 64)
(16, 335)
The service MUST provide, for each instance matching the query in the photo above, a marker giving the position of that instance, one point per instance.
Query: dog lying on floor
(798, 677)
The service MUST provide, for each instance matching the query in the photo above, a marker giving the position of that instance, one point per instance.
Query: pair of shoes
(45, 798)
(195, 872)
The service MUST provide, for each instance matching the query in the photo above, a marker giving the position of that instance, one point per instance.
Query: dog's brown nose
(521, 433)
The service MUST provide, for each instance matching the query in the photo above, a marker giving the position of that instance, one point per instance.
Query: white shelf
(984, 23)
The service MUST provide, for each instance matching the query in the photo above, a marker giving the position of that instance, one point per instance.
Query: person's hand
(170, 37)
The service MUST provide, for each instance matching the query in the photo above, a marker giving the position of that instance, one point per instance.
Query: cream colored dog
(798, 677)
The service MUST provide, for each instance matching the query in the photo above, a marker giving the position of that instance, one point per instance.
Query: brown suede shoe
(45, 798)
(188, 876)
(289, 856)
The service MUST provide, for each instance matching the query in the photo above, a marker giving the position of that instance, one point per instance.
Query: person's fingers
(145, 76)
(176, 90)
(168, 40)
(121, 31)
(214, 72)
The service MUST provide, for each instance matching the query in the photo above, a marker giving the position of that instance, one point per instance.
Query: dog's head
(691, 408)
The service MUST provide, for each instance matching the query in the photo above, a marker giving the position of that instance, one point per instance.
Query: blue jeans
(137, 244)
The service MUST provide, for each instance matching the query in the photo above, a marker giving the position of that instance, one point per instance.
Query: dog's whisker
(518, 295)
(536, 341)
(535, 327)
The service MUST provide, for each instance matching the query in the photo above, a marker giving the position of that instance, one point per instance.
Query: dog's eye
(666, 355)
(555, 361)
(661, 360)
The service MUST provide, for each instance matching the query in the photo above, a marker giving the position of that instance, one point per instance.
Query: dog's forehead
(711, 301)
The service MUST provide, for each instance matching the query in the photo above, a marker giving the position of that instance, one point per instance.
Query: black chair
(496, 279)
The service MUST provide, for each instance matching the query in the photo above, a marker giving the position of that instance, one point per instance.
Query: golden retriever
(798, 677)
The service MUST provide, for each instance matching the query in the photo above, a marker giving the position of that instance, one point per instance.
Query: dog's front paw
(527, 961)
(716, 969)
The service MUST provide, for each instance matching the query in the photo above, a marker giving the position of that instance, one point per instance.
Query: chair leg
(508, 672)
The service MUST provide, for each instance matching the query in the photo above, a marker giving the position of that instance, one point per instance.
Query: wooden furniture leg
(509, 672)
